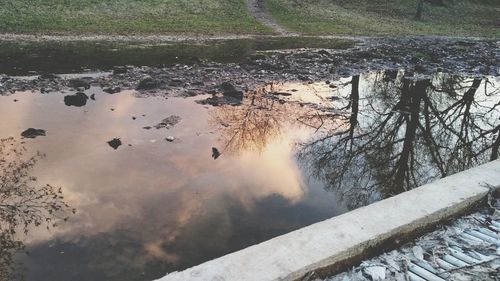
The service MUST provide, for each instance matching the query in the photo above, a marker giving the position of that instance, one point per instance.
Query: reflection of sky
(153, 206)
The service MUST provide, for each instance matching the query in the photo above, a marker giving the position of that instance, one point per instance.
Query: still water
(231, 176)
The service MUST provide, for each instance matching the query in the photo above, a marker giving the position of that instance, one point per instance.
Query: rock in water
(170, 138)
(215, 153)
(78, 99)
(32, 133)
(115, 143)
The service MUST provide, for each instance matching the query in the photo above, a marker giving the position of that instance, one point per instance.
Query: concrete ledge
(351, 236)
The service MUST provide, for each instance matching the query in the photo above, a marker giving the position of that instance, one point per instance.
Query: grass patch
(388, 17)
(128, 17)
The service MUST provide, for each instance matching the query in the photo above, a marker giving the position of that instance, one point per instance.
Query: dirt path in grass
(259, 11)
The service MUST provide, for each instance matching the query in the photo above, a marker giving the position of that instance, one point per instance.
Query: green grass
(351, 17)
(388, 17)
(127, 17)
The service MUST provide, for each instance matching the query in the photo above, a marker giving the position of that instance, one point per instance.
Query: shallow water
(290, 155)
(23, 58)
(153, 205)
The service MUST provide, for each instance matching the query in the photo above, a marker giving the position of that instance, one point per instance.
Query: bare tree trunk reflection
(410, 132)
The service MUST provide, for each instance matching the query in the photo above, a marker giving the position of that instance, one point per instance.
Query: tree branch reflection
(23, 204)
(406, 133)
(252, 125)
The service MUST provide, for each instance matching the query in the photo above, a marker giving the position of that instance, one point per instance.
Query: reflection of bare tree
(23, 203)
(405, 134)
(251, 125)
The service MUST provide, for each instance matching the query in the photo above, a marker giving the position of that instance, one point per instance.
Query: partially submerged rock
(78, 100)
(115, 143)
(32, 133)
(215, 153)
(168, 122)
(170, 139)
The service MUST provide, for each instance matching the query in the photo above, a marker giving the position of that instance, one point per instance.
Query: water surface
(290, 155)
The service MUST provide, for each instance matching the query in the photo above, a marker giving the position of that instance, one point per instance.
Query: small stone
(115, 143)
(170, 138)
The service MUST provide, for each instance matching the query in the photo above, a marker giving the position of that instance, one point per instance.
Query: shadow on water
(289, 155)
(22, 58)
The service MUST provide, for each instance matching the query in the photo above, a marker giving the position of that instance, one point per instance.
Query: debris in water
(32, 133)
(115, 143)
(92, 97)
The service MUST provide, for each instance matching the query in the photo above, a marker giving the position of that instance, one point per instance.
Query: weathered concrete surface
(333, 241)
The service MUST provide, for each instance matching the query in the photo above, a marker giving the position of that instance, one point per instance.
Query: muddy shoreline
(418, 56)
